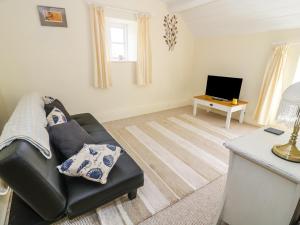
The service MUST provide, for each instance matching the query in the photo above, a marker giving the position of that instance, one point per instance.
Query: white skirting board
(122, 113)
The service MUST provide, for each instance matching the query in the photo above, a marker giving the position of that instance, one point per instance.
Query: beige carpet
(199, 208)
(184, 162)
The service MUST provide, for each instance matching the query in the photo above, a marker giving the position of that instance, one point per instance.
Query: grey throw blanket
(28, 122)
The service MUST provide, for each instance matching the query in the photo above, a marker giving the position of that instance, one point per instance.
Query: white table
(261, 188)
(224, 106)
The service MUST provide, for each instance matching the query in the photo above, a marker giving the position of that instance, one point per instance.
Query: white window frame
(124, 27)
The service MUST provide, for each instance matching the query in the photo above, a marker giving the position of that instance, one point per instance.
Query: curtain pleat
(144, 56)
(272, 87)
(102, 77)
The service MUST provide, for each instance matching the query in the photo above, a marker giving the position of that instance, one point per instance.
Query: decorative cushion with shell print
(55, 117)
(92, 162)
(48, 100)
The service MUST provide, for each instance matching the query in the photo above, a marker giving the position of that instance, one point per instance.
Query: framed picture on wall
(52, 16)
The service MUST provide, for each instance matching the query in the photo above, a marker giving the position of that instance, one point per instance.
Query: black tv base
(220, 99)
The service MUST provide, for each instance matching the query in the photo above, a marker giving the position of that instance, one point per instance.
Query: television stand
(225, 106)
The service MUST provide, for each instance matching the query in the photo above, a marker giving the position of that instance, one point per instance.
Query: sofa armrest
(33, 178)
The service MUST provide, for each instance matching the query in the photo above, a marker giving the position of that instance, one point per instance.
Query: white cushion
(55, 117)
(92, 162)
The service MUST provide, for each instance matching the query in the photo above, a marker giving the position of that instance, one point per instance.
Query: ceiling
(229, 17)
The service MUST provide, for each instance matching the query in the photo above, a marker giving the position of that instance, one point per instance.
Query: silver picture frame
(52, 16)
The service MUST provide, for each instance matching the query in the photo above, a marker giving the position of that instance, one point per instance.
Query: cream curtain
(102, 78)
(144, 56)
(272, 87)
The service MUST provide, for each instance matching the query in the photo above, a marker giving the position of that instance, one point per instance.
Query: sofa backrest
(34, 178)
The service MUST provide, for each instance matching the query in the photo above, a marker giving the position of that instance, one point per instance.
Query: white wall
(3, 112)
(57, 61)
(242, 56)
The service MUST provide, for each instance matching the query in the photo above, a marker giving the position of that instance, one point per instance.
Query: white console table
(261, 188)
(224, 106)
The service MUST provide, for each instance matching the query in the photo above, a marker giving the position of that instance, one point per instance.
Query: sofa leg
(132, 195)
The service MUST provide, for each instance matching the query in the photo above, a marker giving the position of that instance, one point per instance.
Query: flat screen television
(225, 88)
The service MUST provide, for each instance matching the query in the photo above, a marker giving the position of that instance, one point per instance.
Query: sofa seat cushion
(95, 129)
(84, 195)
(125, 176)
(88, 121)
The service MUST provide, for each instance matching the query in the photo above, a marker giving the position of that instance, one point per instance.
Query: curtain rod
(117, 8)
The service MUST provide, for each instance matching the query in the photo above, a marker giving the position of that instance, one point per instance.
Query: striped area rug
(178, 154)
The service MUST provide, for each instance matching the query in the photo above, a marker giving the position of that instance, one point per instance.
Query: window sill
(125, 61)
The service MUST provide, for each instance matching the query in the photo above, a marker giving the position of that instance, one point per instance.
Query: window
(118, 42)
(122, 39)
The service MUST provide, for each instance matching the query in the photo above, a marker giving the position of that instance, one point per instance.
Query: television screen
(223, 87)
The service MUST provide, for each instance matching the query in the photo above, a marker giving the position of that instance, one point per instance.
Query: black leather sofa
(52, 195)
